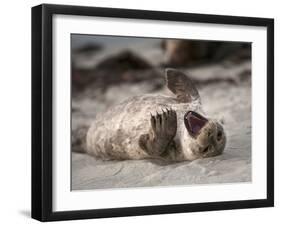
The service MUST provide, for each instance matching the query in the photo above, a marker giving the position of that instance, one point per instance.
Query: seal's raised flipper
(163, 130)
(181, 86)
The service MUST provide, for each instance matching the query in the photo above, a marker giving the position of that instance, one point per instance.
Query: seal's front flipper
(163, 130)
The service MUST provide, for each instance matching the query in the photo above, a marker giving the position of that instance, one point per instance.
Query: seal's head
(200, 136)
(206, 137)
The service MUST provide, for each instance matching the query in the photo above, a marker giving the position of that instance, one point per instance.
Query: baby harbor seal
(173, 128)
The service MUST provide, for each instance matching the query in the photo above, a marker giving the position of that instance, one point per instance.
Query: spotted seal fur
(173, 128)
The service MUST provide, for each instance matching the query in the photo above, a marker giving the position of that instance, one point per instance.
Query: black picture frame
(42, 107)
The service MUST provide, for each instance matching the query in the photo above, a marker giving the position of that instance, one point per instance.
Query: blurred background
(105, 61)
(108, 69)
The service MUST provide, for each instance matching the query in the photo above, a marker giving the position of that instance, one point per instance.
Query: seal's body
(157, 126)
(118, 136)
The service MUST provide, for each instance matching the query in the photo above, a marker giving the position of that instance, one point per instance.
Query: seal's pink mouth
(194, 122)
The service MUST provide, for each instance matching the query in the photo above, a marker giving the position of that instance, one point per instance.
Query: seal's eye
(219, 135)
(194, 122)
(219, 132)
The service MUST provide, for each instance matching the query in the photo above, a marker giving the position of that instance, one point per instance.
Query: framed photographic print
(146, 112)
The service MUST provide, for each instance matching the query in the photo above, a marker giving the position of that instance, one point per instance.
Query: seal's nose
(214, 140)
(194, 122)
(214, 133)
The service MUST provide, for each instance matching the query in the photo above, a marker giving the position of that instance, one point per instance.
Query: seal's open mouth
(194, 122)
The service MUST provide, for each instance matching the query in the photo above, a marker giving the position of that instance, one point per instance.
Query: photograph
(130, 105)
(158, 112)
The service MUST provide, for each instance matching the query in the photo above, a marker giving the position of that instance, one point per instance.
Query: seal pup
(172, 128)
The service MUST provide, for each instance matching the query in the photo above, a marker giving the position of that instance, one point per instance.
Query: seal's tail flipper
(78, 139)
(181, 86)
